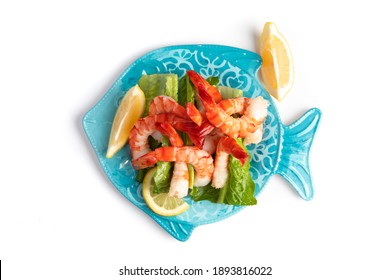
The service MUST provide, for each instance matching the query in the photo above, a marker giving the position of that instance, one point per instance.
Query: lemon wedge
(161, 203)
(129, 111)
(277, 71)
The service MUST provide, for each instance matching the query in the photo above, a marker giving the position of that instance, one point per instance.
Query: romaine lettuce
(158, 84)
(186, 94)
(153, 144)
(191, 173)
(214, 81)
(240, 186)
(238, 190)
(163, 175)
(205, 193)
(186, 91)
(228, 92)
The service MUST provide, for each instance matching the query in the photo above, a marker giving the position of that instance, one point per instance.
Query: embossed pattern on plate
(236, 68)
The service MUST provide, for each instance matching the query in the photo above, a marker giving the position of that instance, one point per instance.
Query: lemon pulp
(277, 72)
(161, 203)
(129, 111)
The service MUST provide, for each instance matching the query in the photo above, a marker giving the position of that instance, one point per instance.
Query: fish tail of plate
(293, 164)
(180, 231)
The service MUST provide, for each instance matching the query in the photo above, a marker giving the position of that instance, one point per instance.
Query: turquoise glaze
(284, 150)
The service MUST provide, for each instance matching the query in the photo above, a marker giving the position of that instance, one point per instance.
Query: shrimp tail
(226, 146)
(207, 100)
(197, 141)
(145, 161)
(230, 145)
(196, 133)
(205, 129)
(198, 81)
(194, 113)
(240, 154)
(184, 125)
(168, 130)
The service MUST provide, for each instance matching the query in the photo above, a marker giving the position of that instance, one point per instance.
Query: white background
(60, 217)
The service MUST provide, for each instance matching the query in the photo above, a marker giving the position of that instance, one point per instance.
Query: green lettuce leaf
(186, 91)
(141, 174)
(153, 143)
(165, 141)
(238, 190)
(163, 175)
(240, 185)
(228, 92)
(191, 173)
(214, 81)
(158, 84)
(205, 193)
(186, 94)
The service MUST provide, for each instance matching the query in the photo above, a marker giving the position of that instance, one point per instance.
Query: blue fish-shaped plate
(284, 150)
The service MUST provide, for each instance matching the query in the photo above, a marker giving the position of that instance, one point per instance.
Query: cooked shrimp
(146, 127)
(211, 141)
(236, 105)
(239, 106)
(201, 160)
(255, 137)
(196, 133)
(194, 113)
(197, 80)
(165, 104)
(180, 180)
(138, 139)
(225, 147)
(168, 130)
(254, 114)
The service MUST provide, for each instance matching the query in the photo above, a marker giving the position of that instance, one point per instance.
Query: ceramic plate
(283, 150)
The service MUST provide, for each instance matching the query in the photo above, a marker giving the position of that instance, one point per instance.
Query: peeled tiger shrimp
(236, 105)
(201, 160)
(165, 104)
(254, 114)
(239, 106)
(138, 139)
(180, 177)
(255, 137)
(225, 147)
(180, 180)
(197, 80)
(145, 127)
